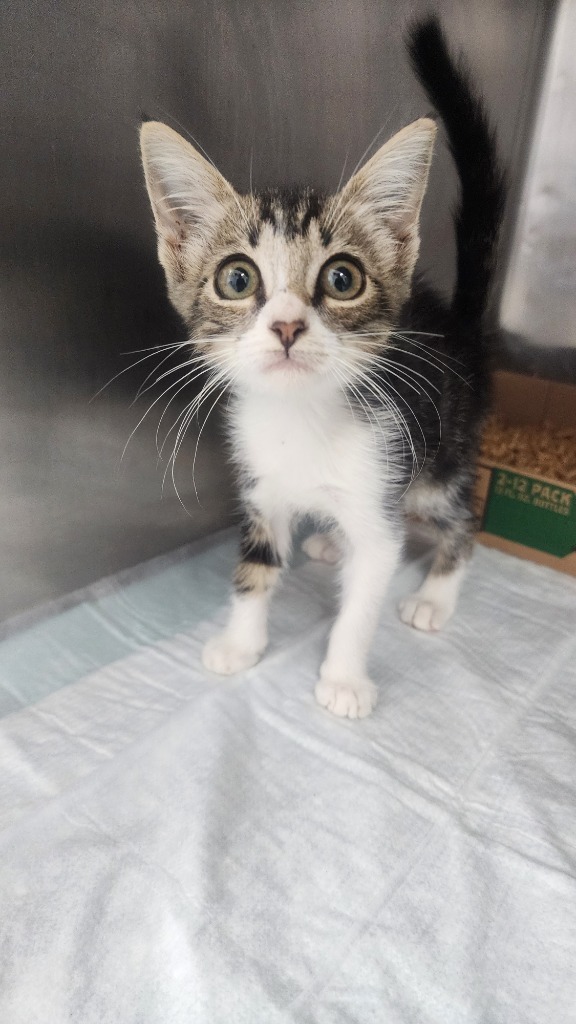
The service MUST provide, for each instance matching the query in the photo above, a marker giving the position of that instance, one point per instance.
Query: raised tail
(472, 143)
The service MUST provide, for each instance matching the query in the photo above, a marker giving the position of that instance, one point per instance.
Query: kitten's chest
(304, 456)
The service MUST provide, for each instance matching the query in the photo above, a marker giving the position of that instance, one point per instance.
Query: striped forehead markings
(289, 212)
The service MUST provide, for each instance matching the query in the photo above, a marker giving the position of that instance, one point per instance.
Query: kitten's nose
(288, 332)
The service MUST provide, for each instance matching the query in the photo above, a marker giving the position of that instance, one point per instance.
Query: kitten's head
(285, 289)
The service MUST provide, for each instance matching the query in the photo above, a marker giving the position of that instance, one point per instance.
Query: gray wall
(295, 88)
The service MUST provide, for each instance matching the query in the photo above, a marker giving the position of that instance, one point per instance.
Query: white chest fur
(308, 455)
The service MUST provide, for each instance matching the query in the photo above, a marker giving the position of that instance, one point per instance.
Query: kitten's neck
(300, 395)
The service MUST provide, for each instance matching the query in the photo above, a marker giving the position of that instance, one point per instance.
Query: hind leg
(324, 547)
(433, 604)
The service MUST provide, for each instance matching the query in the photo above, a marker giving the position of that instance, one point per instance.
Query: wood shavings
(542, 450)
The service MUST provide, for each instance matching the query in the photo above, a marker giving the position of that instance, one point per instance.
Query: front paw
(424, 613)
(225, 656)
(348, 697)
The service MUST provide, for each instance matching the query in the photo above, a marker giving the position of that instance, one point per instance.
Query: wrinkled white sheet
(176, 849)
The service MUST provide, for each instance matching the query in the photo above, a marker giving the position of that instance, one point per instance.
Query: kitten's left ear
(392, 184)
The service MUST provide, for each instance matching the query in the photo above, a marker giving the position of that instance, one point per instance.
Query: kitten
(358, 394)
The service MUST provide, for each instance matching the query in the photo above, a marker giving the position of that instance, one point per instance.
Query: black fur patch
(254, 548)
(312, 212)
(326, 236)
(290, 211)
(267, 214)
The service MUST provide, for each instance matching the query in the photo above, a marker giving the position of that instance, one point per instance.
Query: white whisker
(187, 382)
(376, 389)
(190, 412)
(149, 409)
(142, 388)
(121, 372)
(156, 348)
(196, 361)
(218, 397)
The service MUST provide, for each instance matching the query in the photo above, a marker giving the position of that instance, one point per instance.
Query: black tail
(473, 146)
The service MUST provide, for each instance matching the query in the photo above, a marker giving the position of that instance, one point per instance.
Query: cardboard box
(520, 512)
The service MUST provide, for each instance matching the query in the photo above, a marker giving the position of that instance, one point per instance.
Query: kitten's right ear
(187, 194)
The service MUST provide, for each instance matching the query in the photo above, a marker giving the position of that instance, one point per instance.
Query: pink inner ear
(180, 232)
(404, 232)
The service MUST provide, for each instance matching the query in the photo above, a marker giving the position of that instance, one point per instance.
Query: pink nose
(288, 333)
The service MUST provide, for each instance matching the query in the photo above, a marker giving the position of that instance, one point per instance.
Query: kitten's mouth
(287, 364)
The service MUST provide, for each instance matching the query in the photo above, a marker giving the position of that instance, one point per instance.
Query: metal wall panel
(297, 90)
(539, 297)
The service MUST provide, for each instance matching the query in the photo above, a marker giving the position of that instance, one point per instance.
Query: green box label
(531, 512)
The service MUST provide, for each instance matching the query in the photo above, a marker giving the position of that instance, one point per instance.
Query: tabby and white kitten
(357, 393)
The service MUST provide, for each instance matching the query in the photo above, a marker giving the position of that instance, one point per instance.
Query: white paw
(348, 698)
(424, 613)
(223, 655)
(322, 548)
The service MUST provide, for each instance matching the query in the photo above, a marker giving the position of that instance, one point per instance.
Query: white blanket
(176, 849)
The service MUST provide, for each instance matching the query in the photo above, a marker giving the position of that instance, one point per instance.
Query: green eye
(341, 278)
(237, 278)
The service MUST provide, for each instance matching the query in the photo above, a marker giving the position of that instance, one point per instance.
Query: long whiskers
(371, 340)
(184, 385)
(431, 352)
(220, 380)
(227, 384)
(143, 388)
(189, 410)
(373, 419)
(352, 372)
(384, 361)
(187, 377)
(194, 361)
(151, 353)
(362, 366)
(378, 392)
(408, 377)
